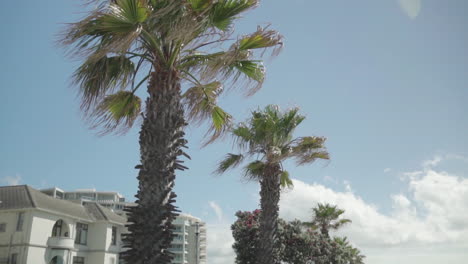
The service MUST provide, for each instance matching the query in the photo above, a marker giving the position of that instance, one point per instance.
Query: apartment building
(38, 229)
(189, 243)
(110, 200)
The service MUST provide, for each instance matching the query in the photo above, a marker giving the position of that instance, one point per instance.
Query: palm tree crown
(125, 40)
(267, 137)
(326, 217)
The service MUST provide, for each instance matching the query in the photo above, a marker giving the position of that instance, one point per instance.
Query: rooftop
(24, 197)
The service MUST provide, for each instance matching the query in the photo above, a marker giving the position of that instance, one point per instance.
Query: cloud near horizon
(427, 223)
(11, 180)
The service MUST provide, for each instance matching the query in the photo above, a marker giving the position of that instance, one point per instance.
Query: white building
(111, 200)
(38, 229)
(189, 244)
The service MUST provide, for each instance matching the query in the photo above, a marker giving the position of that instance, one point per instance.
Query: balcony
(60, 242)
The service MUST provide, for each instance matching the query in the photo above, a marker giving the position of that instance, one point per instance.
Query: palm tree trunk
(269, 199)
(161, 142)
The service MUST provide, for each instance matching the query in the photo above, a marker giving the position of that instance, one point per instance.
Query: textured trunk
(269, 199)
(161, 142)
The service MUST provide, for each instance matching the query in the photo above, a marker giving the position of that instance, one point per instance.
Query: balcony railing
(60, 242)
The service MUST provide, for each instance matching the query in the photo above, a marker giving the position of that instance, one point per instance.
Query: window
(78, 260)
(14, 258)
(81, 233)
(57, 230)
(2, 227)
(19, 224)
(114, 235)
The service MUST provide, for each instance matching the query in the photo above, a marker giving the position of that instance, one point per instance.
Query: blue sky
(384, 81)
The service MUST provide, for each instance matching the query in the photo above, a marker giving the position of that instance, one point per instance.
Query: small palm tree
(351, 254)
(326, 218)
(267, 137)
(183, 50)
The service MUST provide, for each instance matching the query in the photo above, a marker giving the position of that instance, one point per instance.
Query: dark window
(19, 224)
(57, 230)
(78, 260)
(2, 227)
(81, 233)
(114, 235)
(14, 258)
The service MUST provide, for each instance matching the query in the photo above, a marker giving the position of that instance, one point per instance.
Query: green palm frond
(200, 5)
(112, 29)
(261, 39)
(229, 162)
(252, 69)
(170, 35)
(221, 121)
(201, 104)
(309, 149)
(96, 78)
(285, 181)
(116, 112)
(340, 223)
(242, 135)
(224, 12)
(255, 170)
(200, 100)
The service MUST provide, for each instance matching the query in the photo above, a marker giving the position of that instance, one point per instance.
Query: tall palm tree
(185, 51)
(267, 137)
(326, 218)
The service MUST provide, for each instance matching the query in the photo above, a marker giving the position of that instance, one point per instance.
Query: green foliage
(114, 110)
(268, 137)
(226, 11)
(120, 38)
(326, 218)
(297, 246)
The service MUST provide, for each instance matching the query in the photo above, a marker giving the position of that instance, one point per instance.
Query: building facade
(38, 229)
(110, 200)
(189, 243)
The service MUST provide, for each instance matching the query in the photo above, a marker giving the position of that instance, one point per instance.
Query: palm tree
(349, 254)
(185, 51)
(326, 218)
(267, 137)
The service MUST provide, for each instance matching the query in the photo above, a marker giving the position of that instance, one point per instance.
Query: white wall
(37, 228)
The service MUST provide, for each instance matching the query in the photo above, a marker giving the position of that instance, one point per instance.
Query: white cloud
(427, 222)
(432, 215)
(387, 170)
(219, 237)
(219, 244)
(11, 180)
(428, 164)
(412, 8)
(217, 209)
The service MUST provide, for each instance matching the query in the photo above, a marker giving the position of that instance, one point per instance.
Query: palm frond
(201, 105)
(116, 113)
(229, 162)
(262, 39)
(255, 170)
(96, 78)
(111, 29)
(285, 181)
(200, 5)
(224, 12)
(309, 149)
(242, 135)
